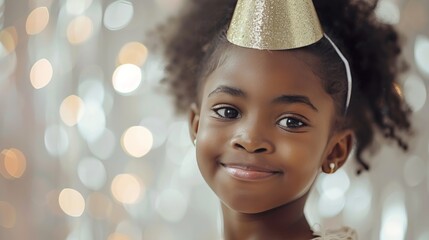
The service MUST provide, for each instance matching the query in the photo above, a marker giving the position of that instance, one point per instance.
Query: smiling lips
(248, 172)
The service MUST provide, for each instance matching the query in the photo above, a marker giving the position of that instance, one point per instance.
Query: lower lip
(248, 175)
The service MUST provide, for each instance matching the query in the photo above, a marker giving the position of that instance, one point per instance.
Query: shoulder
(343, 233)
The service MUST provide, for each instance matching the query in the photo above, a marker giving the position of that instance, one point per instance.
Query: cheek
(210, 144)
(302, 159)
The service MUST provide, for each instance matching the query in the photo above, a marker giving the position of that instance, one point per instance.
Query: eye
(291, 123)
(227, 112)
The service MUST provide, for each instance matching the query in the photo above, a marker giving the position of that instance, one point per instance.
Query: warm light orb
(79, 30)
(118, 236)
(72, 110)
(137, 141)
(41, 73)
(398, 90)
(13, 163)
(126, 188)
(71, 202)
(9, 39)
(133, 53)
(37, 20)
(126, 78)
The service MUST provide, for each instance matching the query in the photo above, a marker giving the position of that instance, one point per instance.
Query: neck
(284, 222)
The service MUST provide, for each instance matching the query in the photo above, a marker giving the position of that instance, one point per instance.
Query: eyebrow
(295, 99)
(229, 90)
(287, 99)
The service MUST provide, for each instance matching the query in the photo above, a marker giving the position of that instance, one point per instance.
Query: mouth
(249, 172)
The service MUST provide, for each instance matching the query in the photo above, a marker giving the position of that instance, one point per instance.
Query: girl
(267, 121)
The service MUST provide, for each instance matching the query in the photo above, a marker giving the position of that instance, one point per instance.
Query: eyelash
(297, 120)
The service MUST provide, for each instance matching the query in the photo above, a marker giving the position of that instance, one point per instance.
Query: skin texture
(265, 112)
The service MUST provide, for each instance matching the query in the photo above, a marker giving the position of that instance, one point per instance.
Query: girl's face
(263, 128)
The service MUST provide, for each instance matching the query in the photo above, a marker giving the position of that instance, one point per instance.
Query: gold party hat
(274, 24)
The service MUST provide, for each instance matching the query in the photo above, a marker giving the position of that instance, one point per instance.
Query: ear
(340, 146)
(193, 120)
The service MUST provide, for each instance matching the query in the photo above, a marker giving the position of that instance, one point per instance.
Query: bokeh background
(91, 147)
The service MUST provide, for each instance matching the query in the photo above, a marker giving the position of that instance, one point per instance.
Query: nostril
(239, 146)
(260, 150)
(248, 149)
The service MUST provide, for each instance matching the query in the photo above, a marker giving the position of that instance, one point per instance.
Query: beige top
(344, 233)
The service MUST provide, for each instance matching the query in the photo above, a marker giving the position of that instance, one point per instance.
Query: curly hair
(195, 39)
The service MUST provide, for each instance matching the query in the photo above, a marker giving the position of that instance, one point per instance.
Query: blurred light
(12, 163)
(157, 126)
(388, 12)
(118, 14)
(171, 204)
(415, 92)
(99, 205)
(71, 202)
(398, 90)
(72, 110)
(76, 7)
(358, 201)
(332, 189)
(137, 141)
(339, 181)
(421, 54)
(129, 229)
(56, 140)
(37, 20)
(9, 39)
(414, 171)
(92, 173)
(424, 235)
(41, 73)
(79, 30)
(92, 90)
(126, 188)
(7, 215)
(127, 78)
(133, 53)
(93, 122)
(331, 202)
(119, 236)
(394, 216)
(108, 102)
(104, 146)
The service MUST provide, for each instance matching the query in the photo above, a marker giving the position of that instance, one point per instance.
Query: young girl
(267, 120)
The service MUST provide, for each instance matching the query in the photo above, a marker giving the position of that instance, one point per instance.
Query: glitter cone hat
(274, 24)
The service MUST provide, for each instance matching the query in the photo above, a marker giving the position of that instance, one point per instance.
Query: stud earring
(332, 166)
(195, 142)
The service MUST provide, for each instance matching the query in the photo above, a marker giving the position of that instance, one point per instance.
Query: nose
(252, 140)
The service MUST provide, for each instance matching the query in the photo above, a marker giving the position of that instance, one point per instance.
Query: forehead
(268, 73)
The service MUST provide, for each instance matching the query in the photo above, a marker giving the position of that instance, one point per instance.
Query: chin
(247, 205)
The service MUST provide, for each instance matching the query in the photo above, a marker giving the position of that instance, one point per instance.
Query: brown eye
(290, 122)
(227, 112)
